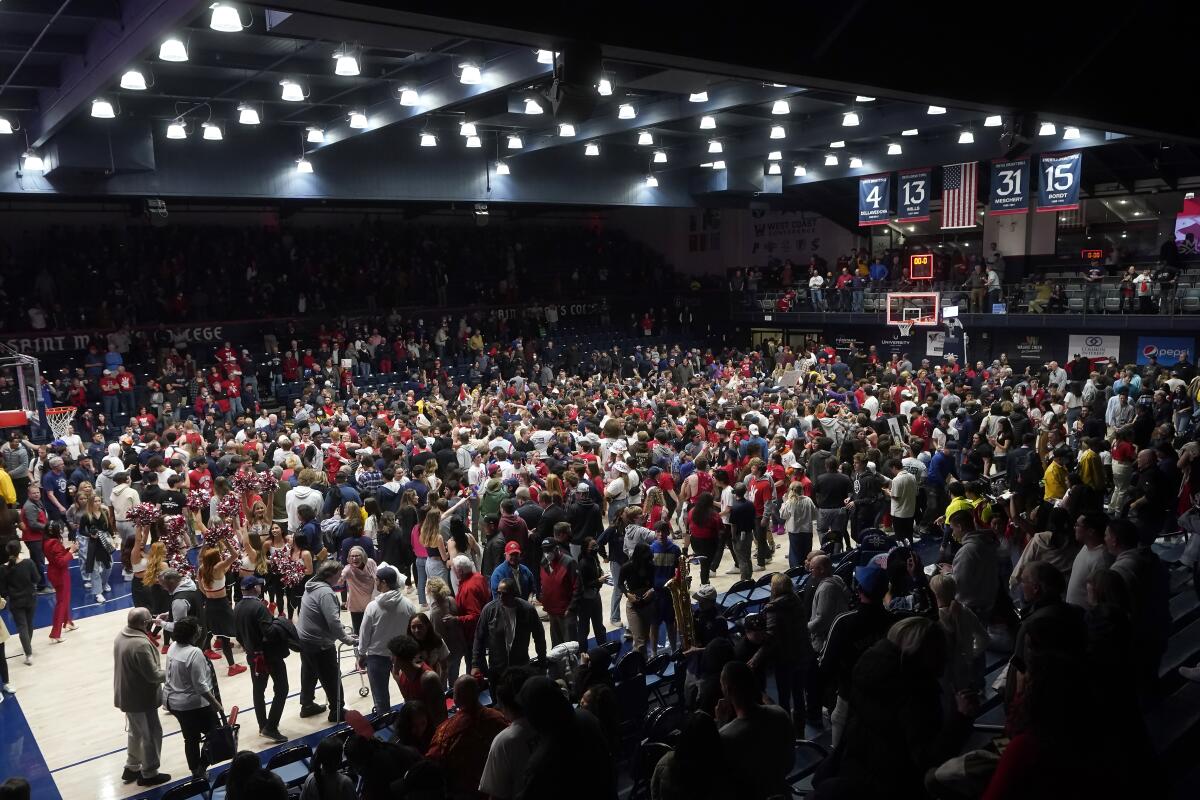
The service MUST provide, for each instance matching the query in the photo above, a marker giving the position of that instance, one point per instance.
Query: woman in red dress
(58, 562)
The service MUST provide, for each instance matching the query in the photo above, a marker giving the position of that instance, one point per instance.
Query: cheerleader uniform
(218, 615)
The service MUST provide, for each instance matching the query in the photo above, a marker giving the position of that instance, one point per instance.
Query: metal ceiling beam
(50, 45)
(29, 77)
(110, 49)
(515, 68)
(724, 97)
(78, 9)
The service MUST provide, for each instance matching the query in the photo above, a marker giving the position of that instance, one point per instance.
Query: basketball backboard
(915, 308)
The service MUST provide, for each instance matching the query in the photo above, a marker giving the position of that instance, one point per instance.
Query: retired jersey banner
(1058, 181)
(875, 199)
(1009, 187)
(912, 195)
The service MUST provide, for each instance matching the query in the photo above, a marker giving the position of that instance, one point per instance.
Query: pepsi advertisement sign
(1165, 350)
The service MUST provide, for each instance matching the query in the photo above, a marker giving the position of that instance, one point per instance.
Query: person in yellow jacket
(1055, 477)
(1091, 469)
(8, 492)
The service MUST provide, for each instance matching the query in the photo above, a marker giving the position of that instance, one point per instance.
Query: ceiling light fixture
(707, 123)
(993, 121)
(651, 182)
(545, 56)
(212, 131)
(698, 97)
(566, 129)
(225, 18)
(799, 171)
(1046, 129)
(173, 49)
(358, 120)
(645, 138)
(604, 87)
(849, 119)
(774, 169)
(474, 141)
(502, 168)
(909, 132)
(778, 132)
(855, 162)
(966, 137)
(467, 129)
(862, 98)
(291, 91)
(304, 166)
(347, 62)
(32, 162)
(1070, 132)
(838, 143)
(409, 97)
(248, 114)
(715, 146)
(932, 110)
(831, 160)
(591, 149)
(176, 130)
(514, 142)
(133, 80)
(470, 74)
(6, 127)
(718, 165)
(781, 107)
(102, 109)
(533, 106)
(626, 111)
(315, 135)
(894, 149)
(660, 157)
(428, 140)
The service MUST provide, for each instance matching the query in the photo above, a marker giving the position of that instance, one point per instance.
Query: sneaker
(215, 656)
(337, 716)
(9, 688)
(29, 661)
(154, 780)
(46, 590)
(236, 669)
(107, 588)
(273, 735)
(99, 598)
(311, 710)
(87, 585)
(733, 571)
(129, 775)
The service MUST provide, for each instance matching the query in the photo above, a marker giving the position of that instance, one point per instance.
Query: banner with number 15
(1058, 184)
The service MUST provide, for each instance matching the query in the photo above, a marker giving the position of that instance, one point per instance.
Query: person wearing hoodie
(303, 495)
(18, 454)
(976, 566)
(105, 481)
(829, 600)
(386, 617)
(122, 498)
(320, 629)
(493, 495)
(138, 678)
(584, 515)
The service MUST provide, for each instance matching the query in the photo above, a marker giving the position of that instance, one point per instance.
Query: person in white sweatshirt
(303, 495)
(386, 617)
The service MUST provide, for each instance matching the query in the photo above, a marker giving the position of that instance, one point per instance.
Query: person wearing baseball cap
(385, 617)
(252, 620)
(519, 576)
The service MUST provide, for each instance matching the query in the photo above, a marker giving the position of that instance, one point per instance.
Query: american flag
(958, 195)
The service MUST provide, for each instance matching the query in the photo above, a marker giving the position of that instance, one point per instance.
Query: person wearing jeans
(320, 629)
(744, 524)
(189, 692)
(385, 617)
(254, 626)
(33, 520)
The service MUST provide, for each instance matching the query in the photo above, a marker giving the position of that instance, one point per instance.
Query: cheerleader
(218, 613)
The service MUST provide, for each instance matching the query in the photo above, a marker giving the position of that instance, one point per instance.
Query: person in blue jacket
(513, 571)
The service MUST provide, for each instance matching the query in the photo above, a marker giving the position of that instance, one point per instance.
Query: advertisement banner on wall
(935, 343)
(1031, 348)
(1166, 350)
(796, 235)
(1094, 347)
(895, 344)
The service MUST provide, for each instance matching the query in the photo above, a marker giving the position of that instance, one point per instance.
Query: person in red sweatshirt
(473, 595)
(560, 580)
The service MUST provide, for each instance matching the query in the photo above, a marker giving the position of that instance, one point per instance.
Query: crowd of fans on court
(457, 523)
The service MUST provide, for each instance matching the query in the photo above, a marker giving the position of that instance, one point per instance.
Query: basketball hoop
(905, 328)
(59, 419)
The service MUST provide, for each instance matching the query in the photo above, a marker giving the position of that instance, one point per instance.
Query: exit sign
(920, 266)
(1092, 255)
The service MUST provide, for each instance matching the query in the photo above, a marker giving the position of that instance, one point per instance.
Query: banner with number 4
(1058, 179)
(1009, 192)
(874, 199)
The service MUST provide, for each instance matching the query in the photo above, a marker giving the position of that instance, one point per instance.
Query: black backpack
(280, 638)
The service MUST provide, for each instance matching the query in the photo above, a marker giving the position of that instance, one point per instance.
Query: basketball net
(905, 328)
(59, 419)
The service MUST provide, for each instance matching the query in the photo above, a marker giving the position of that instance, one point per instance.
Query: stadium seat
(194, 789)
(645, 759)
(291, 764)
(631, 665)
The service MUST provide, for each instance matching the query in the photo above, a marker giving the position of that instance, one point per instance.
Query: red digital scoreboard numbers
(1092, 255)
(920, 266)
